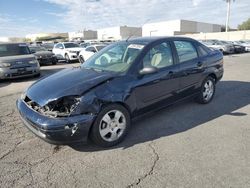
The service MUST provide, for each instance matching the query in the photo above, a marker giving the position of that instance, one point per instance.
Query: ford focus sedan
(122, 81)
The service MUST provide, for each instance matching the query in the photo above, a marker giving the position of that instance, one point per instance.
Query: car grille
(23, 73)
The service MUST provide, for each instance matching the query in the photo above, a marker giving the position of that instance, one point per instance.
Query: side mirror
(60, 47)
(93, 51)
(148, 70)
(32, 51)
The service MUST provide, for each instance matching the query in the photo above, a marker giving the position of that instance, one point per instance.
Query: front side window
(185, 50)
(159, 56)
(115, 58)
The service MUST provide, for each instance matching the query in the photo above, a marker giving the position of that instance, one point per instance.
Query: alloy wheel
(112, 125)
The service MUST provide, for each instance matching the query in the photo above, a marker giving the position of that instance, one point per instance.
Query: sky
(21, 17)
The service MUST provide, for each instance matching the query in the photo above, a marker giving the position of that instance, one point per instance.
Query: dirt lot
(188, 145)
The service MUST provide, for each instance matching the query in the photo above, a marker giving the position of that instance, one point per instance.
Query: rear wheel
(207, 91)
(111, 126)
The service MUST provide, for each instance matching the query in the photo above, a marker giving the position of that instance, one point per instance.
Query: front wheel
(67, 58)
(111, 126)
(81, 59)
(207, 91)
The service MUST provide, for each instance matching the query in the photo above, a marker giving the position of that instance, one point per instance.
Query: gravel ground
(186, 145)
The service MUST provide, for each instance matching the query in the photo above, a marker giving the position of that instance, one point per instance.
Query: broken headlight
(61, 107)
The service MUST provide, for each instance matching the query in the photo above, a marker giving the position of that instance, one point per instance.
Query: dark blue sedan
(122, 81)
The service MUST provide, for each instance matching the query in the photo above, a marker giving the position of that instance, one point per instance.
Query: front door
(161, 85)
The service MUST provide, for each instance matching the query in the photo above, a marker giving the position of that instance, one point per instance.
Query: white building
(47, 36)
(118, 33)
(83, 35)
(4, 39)
(178, 27)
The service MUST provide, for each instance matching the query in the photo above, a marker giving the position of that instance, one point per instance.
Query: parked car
(86, 44)
(238, 48)
(244, 43)
(48, 46)
(43, 56)
(17, 61)
(216, 44)
(99, 99)
(89, 51)
(68, 51)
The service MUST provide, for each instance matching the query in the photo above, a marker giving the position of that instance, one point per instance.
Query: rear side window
(185, 50)
(202, 50)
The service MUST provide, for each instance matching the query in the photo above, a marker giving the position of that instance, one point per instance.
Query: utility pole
(228, 13)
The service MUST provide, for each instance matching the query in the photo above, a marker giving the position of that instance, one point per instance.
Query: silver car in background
(17, 61)
(219, 45)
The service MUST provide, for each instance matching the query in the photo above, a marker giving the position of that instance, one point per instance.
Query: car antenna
(129, 37)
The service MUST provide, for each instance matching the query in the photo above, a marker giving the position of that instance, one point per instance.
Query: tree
(245, 25)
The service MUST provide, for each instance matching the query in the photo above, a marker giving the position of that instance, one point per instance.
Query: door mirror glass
(148, 70)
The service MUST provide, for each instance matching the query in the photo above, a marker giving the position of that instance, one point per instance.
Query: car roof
(151, 39)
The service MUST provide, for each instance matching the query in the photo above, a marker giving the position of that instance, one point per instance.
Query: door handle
(170, 74)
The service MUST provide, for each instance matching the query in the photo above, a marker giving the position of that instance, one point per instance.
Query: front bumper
(47, 60)
(8, 73)
(55, 130)
(73, 56)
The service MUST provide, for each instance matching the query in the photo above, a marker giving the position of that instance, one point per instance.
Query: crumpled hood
(74, 81)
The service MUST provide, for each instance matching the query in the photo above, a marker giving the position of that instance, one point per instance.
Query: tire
(81, 59)
(37, 75)
(54, 62)
(108, 130)
(67, 59)
(207, 91)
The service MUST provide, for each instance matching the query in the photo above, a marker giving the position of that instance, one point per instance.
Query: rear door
(191, 66)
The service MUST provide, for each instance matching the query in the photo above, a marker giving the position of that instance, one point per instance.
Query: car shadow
(229, 98)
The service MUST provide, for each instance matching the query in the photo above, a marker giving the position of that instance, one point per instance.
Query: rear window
(13, 49)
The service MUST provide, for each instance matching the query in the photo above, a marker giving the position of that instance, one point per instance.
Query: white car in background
(68, 51)
(89, 51)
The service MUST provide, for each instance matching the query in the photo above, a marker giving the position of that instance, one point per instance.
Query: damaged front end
(60, 121)
(62, 107)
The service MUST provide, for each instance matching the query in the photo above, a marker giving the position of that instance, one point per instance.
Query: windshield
(116, 58)
(37, 49)
(13, 49)
(71, 45)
